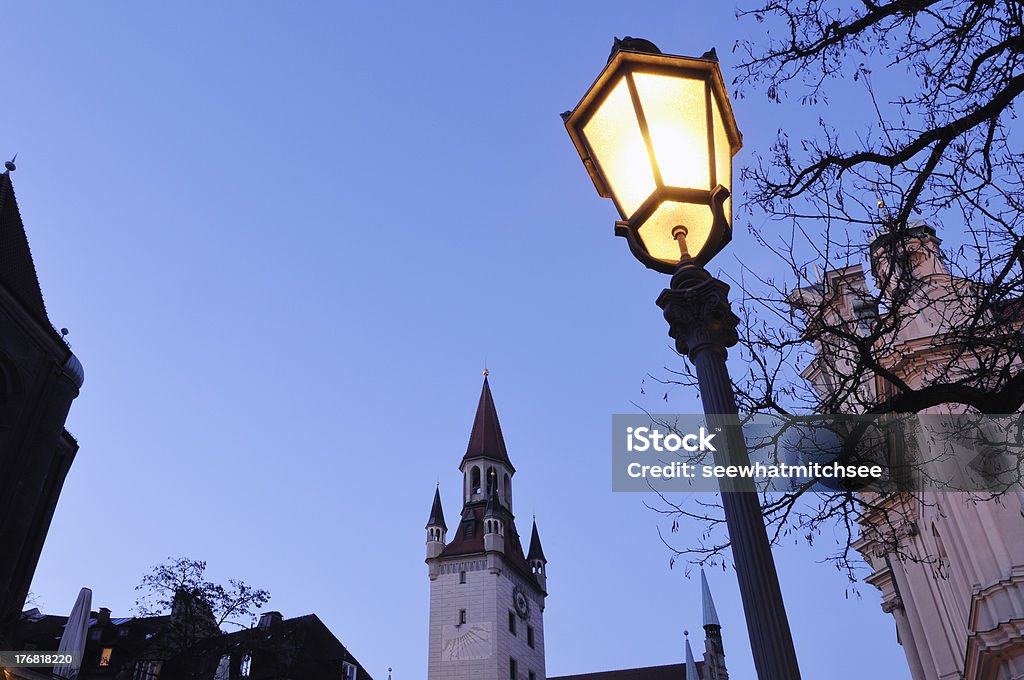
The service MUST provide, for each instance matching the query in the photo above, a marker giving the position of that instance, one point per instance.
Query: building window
(462, 577)
(245, 666)
(95, 633)
(511, 622)
(348, 671)
(533, 676)
(123, 631)
(147, 669)
(223, 671)
(513, 669)
(529, 636)
(462, 616)
(474, 481)
(105, 656)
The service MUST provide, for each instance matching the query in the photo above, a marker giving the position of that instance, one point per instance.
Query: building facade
(949, 565)
(39, 378)
(154, 648)
(486, 595)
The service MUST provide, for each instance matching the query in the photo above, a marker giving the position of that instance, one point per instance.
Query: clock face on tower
(522, 604)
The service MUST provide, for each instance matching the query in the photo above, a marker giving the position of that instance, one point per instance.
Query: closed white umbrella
(73, 639)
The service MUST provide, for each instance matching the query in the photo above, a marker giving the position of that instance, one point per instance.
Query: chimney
(269, 619)
(103, 616)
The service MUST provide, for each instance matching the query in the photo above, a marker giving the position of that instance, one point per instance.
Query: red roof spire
(436, 511)
(486, 441)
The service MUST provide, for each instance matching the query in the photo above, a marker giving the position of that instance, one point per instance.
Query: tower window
(474, 480)
(462, 577)
(512, 622)
(529, 636)
(462, 616)
(513, 669)
(533, 676)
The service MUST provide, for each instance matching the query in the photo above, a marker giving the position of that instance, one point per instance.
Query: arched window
(474, 481)
(507, 497)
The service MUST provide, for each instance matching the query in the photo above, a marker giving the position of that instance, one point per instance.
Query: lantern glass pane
(676, 113)
(613, 134)
(723, 156)
(656, 232)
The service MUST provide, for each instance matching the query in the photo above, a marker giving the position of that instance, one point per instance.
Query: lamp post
(657, 135)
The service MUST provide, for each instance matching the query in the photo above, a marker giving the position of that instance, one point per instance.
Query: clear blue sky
(285, 240)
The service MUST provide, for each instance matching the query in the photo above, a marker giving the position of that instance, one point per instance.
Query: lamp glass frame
(623, 67)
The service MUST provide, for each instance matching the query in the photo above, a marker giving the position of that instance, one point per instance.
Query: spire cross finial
(486, 372)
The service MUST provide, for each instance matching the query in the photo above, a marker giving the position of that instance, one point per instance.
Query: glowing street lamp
(656, 134)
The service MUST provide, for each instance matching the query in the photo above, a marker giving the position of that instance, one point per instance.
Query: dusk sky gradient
(286, 237)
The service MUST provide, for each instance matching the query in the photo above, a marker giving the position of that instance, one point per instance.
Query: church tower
(39, 378)
(486, 595)
(949, 564)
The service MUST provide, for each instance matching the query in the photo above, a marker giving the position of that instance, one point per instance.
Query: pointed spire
(708, 604)
(436, 511)
(485, 441)
(536, 552)
(691, 665)
(17, 270)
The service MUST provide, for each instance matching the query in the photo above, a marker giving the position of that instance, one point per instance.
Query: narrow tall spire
(714, 650)
(536, 552)
(691, 666)
(437, 511)
(486, 440)
(707, 603)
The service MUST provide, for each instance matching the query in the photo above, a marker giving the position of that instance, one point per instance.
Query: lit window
(105, 656)
(348, 671)
(462, 616)
(245, 666)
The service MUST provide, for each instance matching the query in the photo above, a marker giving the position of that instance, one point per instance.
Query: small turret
(535, 556)
(714, 652)
(436, 528)
(494, 525)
